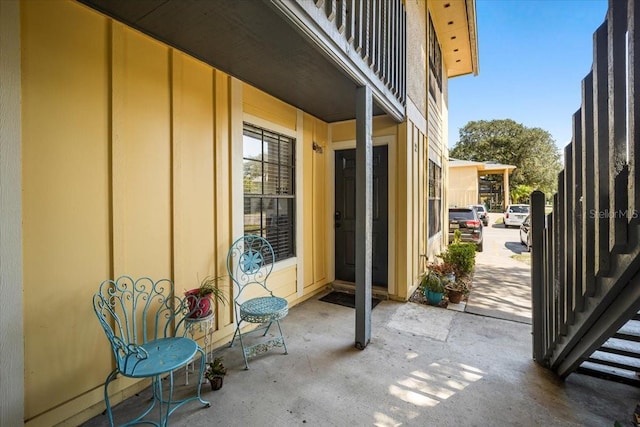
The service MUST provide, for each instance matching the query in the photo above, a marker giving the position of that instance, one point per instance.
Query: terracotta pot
(454, 296)
(198, 306)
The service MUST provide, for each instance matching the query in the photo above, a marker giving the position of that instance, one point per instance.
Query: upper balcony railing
(366, 38)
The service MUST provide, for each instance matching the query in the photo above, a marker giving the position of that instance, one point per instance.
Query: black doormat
(345, 299)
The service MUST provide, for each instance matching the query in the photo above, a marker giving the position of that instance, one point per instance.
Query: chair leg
(267, 329)
(282, 336)
(238, 334)
(201, 376)
(244, 353)
(107, 402)
(234, 335)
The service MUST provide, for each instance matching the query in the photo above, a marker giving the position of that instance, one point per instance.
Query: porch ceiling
(248, 40)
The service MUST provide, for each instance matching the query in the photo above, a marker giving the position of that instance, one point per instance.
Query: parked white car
(515, 215)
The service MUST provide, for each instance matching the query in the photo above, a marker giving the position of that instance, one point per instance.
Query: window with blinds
(269, 188)
(435, 198)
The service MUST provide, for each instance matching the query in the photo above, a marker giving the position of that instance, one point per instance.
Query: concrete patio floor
(425, 366)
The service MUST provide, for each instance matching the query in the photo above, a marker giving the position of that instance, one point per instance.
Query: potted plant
(199, 299)
(456, 290)
(215, 373)
(444, 269)
(432, 287)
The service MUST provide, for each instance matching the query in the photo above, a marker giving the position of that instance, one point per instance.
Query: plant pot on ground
(432, 287)
(199, 299)
(457, 290)
(215, 373)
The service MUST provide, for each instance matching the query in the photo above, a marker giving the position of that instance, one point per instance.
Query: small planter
(198, 306)
(455, 296)
(216, 382)
(434, 298)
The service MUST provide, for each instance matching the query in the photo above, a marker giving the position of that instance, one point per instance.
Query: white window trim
(238, 117)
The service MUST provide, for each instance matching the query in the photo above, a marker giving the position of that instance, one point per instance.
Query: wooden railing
(364, 35)
(586, 253)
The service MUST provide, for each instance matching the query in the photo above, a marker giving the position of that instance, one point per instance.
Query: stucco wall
(463, 186)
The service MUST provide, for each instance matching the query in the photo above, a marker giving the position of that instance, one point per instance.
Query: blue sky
(533, 56)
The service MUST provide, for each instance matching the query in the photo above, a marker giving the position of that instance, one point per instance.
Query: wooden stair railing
(586, 253)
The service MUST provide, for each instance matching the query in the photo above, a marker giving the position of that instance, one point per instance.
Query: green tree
(521, 194)
(531, 150)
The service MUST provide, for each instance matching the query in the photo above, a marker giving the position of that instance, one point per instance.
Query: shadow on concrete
(516, 247)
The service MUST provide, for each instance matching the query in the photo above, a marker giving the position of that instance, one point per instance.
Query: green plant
(209, 288)
(459, 285)
(457, 236)
(442, 268)
(462, 256)
(431, 281)
(215, 369)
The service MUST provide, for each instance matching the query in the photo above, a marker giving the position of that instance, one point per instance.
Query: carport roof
(489, 167)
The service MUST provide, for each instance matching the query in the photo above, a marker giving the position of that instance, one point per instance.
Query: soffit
(250, 41)
(455, 23)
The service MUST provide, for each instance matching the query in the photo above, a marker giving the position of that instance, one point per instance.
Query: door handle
(338, 217)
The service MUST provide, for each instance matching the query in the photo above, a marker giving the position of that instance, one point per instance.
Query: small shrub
(431, 281)
(462, 256)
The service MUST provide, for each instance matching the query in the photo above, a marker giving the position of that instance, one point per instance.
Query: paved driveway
(502, 284)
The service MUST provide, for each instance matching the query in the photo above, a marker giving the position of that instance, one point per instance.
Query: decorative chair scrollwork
(144, 323)
(249, 263)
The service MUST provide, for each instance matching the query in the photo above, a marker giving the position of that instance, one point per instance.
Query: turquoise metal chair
(144, 323)
(249, 263)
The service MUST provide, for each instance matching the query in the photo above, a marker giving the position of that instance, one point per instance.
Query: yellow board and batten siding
(126, 151)
(66, 203)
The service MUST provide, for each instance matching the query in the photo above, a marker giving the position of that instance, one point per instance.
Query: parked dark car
(483, 215)
(525, 235)
(466, 220)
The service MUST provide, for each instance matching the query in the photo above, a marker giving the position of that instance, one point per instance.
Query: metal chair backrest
(250, 262)
(135, 312)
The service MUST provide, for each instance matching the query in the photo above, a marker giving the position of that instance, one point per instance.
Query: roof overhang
(487, 168)
(455, 22)
(249, 40)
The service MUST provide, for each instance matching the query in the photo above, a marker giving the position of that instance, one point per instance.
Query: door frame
(390, 142)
